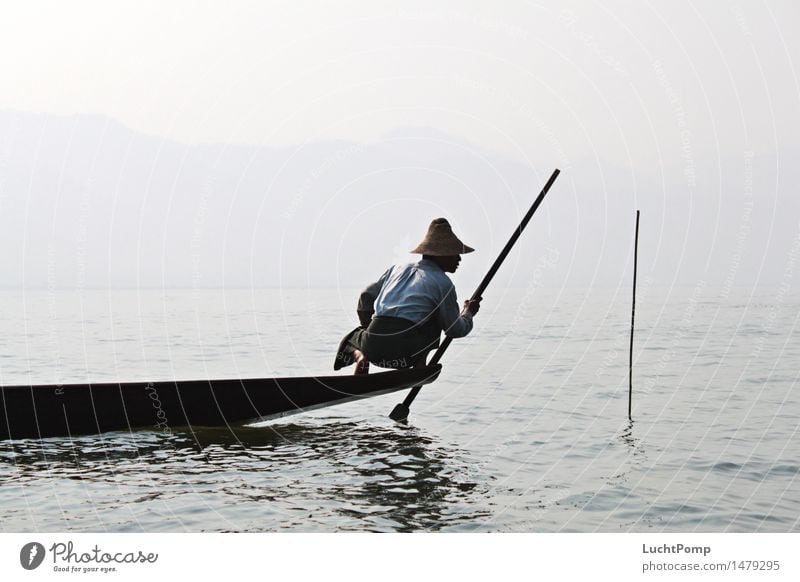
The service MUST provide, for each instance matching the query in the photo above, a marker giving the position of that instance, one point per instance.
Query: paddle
(401, 411)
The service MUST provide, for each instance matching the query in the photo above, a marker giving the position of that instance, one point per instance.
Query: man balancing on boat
(404, 312)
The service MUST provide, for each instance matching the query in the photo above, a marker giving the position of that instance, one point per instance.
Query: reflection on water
(634, 444)
(305, 476)
(537, 441)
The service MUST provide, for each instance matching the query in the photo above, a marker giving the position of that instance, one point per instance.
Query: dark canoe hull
(79, 409)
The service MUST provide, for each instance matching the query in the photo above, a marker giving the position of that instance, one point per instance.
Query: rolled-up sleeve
(366, 301)
(454, 323)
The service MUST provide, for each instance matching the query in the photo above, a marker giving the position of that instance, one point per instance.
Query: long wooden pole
(633, 315)
(401, 411)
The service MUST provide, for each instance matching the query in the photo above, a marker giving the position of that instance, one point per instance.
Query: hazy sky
(349, 125)
(616, 79)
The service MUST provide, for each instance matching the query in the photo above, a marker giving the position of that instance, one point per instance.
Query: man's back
(415, 292)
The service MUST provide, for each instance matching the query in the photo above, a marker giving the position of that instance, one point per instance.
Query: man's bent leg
(362, 363)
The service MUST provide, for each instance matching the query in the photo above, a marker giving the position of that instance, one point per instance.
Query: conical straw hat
(441, 242)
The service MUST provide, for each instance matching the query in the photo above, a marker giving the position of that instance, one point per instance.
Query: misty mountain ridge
(87, 202)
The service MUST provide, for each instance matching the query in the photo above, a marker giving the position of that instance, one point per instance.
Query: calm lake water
(526, 429)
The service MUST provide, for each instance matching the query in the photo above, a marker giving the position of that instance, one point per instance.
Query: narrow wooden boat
(77, 409)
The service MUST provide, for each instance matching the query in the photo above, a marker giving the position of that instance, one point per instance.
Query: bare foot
(362, 363)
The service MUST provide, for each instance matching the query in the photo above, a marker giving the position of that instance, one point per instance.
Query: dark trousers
(390, 342)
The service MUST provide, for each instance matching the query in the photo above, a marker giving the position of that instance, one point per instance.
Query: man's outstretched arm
(456, 323)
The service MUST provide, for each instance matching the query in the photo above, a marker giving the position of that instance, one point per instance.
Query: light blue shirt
(413, 291)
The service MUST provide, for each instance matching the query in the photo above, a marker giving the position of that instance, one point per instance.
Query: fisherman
(404, 312)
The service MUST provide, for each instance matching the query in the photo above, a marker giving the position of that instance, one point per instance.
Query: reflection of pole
(633, 314)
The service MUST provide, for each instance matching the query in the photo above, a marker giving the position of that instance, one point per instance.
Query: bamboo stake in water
(633, 315)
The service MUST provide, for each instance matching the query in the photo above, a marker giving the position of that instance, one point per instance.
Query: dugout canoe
(63, 410)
